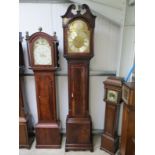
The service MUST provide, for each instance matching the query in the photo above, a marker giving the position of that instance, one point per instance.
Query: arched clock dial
(78, 37)
(42, 52)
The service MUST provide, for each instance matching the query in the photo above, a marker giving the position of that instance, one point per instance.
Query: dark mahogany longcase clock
(112, 98)
(43, 54)
(78, 29)
(127, 146)
(26, 130)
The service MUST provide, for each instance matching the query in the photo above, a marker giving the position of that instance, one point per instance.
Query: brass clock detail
(78, 37)
(113, 92)
(78, 28)
(43, 59)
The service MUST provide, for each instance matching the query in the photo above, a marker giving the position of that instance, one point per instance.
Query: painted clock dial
(112, 96)
(42, 52)
(78, 37)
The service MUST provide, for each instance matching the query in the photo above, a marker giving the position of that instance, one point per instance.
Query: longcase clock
(78, 29)
(43, 54)
(112, 98)
(26, 130)
(127, 146)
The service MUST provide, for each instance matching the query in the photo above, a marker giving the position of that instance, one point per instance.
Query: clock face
(78, 37)
(125, 94)
(112, 96)
(42, 52)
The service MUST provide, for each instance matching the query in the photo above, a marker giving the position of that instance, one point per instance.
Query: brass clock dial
(112, 96)
(42, 52)
(78, 37)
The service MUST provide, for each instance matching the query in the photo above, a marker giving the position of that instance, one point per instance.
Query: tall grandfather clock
(43, 54)
(78, 29)
(26, 130)
(112, 98)
(127, 146)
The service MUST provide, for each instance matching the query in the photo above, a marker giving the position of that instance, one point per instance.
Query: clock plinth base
(78, 136)
(26, 136)
(109, 144)
(48, 135)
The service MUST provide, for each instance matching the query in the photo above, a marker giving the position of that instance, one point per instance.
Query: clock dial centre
(78, 41)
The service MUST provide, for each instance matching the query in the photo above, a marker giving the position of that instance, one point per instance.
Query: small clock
(113, 91)
(42, 52)
(112, 96)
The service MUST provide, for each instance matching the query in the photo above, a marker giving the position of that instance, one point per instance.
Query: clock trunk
(48, 127)
(78, 123)
(78, 88)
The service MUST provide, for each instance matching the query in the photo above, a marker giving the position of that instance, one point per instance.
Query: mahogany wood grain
(127, 146)
(110, 139)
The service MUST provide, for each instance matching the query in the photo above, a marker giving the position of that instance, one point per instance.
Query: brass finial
(78, 7)
(54, 34)
(27, 34)
(40, 29)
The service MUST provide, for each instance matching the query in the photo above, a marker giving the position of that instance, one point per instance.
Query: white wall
(128, 42)
(127, 49)
(106, 42)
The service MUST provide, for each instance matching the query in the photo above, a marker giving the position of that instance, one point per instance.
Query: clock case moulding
(78, 122)
(48, 128)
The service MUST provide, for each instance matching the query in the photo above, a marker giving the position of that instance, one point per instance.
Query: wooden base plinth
(109, 144)
(78, 134)
(48, 135)
(26, 136)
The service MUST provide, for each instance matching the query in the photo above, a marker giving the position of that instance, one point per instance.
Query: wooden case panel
(82, 131)
(78, 89)
(21, 102)
(48, 135)
(128, 130)
(109, 144)
(111, 116)
(45, 92)
(26, 134)
(23, 138)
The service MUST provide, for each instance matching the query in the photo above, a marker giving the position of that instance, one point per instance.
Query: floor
(34, 151)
